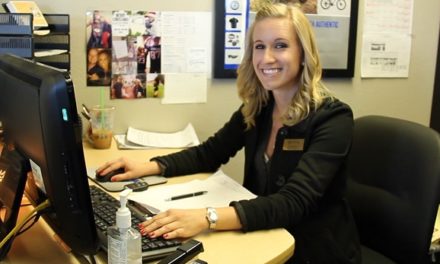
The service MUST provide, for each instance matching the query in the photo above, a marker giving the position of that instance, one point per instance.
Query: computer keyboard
(105, 207)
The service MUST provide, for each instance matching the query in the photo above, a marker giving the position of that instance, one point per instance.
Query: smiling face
(103, 61)
(277, 54)
(92, 57)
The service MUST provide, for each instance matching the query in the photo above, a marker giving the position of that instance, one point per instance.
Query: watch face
(212, 215)
(235, 5)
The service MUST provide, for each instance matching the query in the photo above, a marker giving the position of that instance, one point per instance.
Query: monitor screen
(39, 118)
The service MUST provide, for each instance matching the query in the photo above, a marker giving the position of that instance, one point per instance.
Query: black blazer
(306, 184)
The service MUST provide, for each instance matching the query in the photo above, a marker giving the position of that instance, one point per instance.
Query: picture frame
(335, 34)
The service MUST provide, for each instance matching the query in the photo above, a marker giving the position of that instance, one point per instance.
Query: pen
(85, 115)
(86, 109)
(85, 112)
(138, 208)
(188, 195)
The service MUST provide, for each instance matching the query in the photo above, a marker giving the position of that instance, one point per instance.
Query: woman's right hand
(133, 169)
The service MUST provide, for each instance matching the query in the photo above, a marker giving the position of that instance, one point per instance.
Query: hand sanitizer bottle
(124, 242)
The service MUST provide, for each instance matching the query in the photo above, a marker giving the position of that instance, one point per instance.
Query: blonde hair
(311, 91)
(308, 6)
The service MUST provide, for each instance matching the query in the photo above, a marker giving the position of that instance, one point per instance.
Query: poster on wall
(334, 22)
(146, 49)
(386, 39)
(236, 22)
(99, 45)
(132, 39)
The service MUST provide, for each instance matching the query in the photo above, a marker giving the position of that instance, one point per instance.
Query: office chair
(393, 188)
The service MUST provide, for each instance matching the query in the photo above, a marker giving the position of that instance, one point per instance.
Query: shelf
(15, 24)
(61, 61)
(16, 37)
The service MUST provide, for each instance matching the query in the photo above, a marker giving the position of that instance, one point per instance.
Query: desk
(269, 246)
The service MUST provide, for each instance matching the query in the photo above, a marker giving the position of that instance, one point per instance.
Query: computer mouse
(107, 177)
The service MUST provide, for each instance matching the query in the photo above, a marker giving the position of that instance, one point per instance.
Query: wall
(408, 98)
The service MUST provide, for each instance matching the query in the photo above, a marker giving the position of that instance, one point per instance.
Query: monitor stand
(13, 175)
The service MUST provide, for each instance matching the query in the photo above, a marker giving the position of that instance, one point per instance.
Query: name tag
(293, 144)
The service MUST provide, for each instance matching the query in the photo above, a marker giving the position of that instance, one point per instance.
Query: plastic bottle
(124, 242)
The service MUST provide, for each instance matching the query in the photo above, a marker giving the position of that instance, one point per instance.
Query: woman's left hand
(175, 223)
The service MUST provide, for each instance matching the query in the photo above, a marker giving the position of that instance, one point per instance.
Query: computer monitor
(39, 117)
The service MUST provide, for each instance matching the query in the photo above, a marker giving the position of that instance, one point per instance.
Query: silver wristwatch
(212, 217)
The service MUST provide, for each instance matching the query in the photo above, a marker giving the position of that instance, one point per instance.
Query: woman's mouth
(271, 70)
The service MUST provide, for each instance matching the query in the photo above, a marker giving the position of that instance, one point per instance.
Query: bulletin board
(334, 22)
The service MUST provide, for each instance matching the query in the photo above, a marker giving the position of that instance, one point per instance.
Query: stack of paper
(139, 139)
(219, 190)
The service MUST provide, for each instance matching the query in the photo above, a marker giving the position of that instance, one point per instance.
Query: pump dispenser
(124, 242)
(123, 215)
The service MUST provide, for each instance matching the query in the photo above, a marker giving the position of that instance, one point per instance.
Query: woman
(104, 61)
(94, 71)
(296, 138)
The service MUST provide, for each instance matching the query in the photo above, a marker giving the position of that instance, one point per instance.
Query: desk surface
(38, 245)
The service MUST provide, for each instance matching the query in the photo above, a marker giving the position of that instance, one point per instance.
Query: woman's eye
(259, 46)
(281, 45)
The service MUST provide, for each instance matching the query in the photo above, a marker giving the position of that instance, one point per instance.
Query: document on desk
(181, 139)
(123, 143)
(218, 190)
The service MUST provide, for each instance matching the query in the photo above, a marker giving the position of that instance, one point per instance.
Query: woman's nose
(268, 55)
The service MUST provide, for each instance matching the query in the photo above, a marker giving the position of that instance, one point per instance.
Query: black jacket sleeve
(208, 156)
